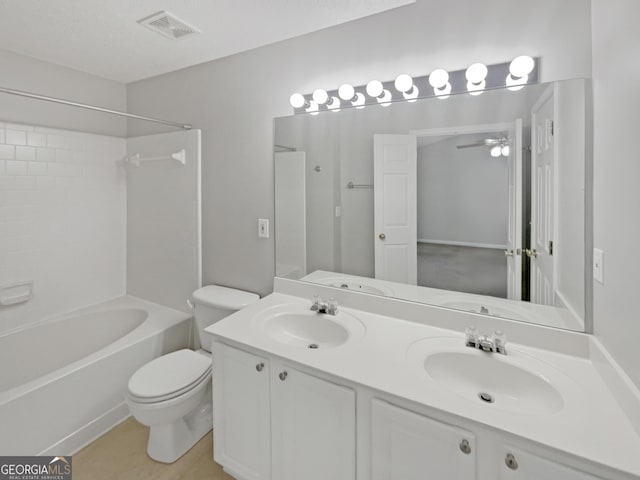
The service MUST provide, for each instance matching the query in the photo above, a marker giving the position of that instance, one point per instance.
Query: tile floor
(120, 454)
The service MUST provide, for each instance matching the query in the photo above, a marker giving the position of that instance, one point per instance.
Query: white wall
(233, 100)
(62, 219)
(463, 194)
(164, 262)
(28, 74)
(616, 78)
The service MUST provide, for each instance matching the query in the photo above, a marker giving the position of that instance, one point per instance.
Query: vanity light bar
(473, 80)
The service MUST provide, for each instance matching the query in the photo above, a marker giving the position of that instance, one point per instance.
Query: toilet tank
(213, 303)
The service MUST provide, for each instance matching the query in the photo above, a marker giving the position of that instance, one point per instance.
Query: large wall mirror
(474, 203)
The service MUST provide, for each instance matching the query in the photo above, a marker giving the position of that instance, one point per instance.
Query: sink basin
(299, 327)
(492, 380)
(358, 287)
(354, 284)
(488, 307)
(514, 382)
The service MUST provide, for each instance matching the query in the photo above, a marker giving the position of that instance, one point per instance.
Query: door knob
(382, 236)
(508, 253)
(531, 253)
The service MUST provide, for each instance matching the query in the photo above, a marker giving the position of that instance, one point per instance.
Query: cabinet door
(241, 413)
(313, 428)
(519, 465)
(408, 446)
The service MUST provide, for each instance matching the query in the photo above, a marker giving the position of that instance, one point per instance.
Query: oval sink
(488, 308)
(491, 379)
(303, 328)
(516, 382)
(358, 287)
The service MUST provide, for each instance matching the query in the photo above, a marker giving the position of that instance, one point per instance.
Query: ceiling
(102, 37)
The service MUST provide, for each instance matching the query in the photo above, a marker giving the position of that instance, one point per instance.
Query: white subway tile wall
(62, 219)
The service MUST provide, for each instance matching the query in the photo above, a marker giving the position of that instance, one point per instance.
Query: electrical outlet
(598, 265)
(263, 228)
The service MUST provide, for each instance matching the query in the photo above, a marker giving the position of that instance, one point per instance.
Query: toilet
(172, 393)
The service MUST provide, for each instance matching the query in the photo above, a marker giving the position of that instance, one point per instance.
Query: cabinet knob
(510, 461)
(260, 366)
(465, 447)
(283, 375)
(382, 236)
(509, 253)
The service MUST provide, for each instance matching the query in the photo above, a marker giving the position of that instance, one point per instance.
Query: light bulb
(313, 108)
(359, 101)
(515, 84)
(320, 96)
(375, 88)
(403, 83)
(297, 100)
(346, 92)
(476, 88)
(521, 66)
(496, 151)
(444, 92)
(334, 104)
(385, 98)
(439, 78)
(476, 73)
(412, 95)
(505, 150)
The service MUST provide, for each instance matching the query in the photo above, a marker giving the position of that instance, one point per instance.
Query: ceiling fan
(487, 142)
(498, 146)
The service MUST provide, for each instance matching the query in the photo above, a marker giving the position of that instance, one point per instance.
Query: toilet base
(168, 442)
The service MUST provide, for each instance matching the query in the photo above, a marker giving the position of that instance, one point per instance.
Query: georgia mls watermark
(35, 468)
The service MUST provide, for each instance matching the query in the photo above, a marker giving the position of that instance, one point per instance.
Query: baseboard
(493, 246)
(82, 437)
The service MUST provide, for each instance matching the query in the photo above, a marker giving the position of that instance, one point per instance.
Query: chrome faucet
(329, 307)
(496, 343)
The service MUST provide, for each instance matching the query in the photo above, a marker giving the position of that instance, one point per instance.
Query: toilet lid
(169, 375)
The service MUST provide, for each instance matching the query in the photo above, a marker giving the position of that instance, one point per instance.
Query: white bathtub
(63, 380)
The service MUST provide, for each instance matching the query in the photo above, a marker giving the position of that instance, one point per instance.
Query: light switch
(263, 227)
(598, 265)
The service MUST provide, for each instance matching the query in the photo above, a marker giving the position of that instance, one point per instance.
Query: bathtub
(63, 380)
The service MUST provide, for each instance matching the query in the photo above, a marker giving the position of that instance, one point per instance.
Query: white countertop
(591, 425)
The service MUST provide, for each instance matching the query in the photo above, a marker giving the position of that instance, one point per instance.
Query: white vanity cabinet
(273, 421)
(242, 435)
(313, 428)
(408, 446)
(521, 465)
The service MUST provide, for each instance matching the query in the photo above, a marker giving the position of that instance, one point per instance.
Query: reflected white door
(395, 208)
(514, 239)
(542, 200)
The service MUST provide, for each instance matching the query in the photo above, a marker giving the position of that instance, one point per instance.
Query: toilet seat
(169, 376)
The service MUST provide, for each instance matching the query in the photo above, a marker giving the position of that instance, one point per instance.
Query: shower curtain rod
(36, 96)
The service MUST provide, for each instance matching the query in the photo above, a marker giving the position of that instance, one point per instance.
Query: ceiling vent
(168, 25)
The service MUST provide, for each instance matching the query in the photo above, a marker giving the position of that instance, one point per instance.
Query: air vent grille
(168, 25)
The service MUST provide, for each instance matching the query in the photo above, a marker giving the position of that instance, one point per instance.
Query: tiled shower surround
(62, 219)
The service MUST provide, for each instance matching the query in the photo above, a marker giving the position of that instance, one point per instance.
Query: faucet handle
(315, 302)
(472, 334)
(332, 306)
(499, 341)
